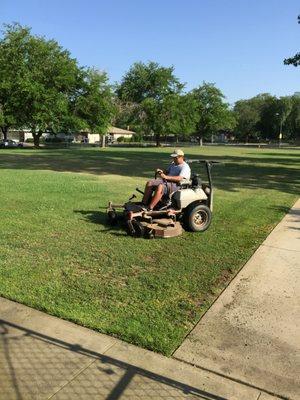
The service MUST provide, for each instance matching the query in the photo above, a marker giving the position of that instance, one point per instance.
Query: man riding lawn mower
(170, 200)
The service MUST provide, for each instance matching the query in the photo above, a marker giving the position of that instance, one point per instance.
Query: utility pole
(280, 129)
(280, 133)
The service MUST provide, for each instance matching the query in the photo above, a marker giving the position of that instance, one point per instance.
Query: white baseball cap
(177, 153)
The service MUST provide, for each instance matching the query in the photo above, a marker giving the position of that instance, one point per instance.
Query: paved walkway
(43, 357)
(252, 332)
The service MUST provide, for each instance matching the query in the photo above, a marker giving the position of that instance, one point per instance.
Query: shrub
(54, 139)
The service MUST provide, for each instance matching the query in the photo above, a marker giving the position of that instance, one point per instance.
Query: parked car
(8, 144)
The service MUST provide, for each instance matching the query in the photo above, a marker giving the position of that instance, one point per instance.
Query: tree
(94, 106)
(36, 81)
(274, 113)
(295, 60)
(247, 115)
(148, 81)
(128, 115)
(11, 62)
(213, 113)
(292, 123)
(174, 115)
(187, 115)
(43, 88)
(262, 116)
(153, 95)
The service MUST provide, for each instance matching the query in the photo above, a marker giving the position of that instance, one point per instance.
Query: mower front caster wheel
(135, 228)
(112, 217)
(197, 218)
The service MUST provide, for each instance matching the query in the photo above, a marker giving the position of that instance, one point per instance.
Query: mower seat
(184, 184)
(196, 181)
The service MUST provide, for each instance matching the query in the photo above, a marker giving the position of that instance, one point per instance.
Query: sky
(237, 44)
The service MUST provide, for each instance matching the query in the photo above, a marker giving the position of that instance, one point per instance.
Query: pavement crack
(280, 248)
(109, 347)
(72, 379)
(236, 380)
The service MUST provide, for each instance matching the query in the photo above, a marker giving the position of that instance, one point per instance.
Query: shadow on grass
(282, 209)
(100, 218)
(96, 217)
(266, 170)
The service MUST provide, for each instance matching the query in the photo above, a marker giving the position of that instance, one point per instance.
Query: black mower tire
(197, 218)
(112, 218)
(139, 229)
(149, 234)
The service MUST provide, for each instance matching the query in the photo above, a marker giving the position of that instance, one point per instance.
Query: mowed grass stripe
(58, 254)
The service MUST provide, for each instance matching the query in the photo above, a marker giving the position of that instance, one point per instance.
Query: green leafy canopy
(43, 88)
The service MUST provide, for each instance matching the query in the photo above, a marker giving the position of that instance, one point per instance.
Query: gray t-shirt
(183, 170)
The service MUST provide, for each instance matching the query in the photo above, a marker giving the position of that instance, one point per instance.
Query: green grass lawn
(58, 255)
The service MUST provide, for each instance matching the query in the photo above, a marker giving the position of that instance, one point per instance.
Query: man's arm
(185, 173)
(175, 179)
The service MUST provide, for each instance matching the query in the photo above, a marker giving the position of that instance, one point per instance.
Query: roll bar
(192, 161)
(208, 166)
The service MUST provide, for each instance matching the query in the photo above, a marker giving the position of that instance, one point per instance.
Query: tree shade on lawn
(59, 255)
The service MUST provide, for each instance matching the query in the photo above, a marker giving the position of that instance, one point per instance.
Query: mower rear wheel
(197, 218)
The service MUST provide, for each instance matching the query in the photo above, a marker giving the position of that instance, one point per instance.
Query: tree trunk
(4, 130)
(36, 139)
(200, 141)
(103, 141)
(157, 138)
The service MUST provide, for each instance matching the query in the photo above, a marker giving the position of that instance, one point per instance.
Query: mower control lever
(132, 197)
(203, 162)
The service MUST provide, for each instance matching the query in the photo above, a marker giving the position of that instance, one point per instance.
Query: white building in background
(113, 134)
(116, 133)
(19, 135)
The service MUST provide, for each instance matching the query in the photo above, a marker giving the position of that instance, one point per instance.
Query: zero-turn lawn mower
(189, 207)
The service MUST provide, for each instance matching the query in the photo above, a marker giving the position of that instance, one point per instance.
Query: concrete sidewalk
(43, 357)
(243, 347)
(252, 332)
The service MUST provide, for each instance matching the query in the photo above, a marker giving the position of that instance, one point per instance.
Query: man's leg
(157, 196)
(147, 192)
(149, 188)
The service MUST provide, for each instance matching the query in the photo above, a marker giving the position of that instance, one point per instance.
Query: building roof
(119, 131)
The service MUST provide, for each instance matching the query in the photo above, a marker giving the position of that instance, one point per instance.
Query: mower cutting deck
(190, 206)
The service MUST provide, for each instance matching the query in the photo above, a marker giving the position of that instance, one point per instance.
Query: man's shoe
(145, 208)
